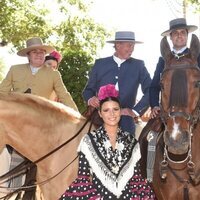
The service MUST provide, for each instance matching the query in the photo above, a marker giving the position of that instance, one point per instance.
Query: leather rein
(26, 165)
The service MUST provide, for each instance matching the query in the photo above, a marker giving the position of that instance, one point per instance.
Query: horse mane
(49, 109)
(178, 91)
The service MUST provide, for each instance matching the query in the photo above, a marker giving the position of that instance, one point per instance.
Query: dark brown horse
(177, 163)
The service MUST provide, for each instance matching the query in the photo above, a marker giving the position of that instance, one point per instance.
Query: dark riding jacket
(131, 74)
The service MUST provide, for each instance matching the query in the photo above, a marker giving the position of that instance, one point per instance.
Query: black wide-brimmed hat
(124, 36)
(179, 23)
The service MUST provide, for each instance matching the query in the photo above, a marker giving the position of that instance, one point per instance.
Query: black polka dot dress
(106, 173)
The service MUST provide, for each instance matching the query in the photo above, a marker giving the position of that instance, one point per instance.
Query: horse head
(180, 96)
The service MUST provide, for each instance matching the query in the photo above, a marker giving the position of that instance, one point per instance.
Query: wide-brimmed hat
(34, 43)
(179, 23)
(124, 36)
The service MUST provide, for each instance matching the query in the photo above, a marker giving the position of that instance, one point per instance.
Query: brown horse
(34, 126)
(177, 163)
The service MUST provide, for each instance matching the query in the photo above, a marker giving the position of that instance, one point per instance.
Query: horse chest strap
(151, 154)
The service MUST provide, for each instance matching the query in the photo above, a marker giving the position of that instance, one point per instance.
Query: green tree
(21, 19)
(70, 30)
(82, 38)
(196, 4)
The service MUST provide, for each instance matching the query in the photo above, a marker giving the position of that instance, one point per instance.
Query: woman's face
(52, 63)
(110, 113)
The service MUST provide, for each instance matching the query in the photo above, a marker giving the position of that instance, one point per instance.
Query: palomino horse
(177, 162)
(34, 126)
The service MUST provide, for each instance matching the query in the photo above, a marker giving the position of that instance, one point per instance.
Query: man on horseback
(178, 33)
(127, 74)
(36, 78)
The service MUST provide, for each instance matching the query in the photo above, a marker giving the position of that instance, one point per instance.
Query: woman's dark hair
(108, 99)
(51, 58)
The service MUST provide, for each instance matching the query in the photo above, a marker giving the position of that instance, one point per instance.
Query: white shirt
(119, 62)
(180, 50)
(34, 70)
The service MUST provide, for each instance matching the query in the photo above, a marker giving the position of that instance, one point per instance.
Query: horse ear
(195, 46)
(165, 49)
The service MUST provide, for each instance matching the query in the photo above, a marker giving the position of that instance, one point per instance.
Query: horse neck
(35, 139)
(59, 160)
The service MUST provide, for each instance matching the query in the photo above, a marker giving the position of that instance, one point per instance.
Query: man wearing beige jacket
(34, 77)
(37, 79)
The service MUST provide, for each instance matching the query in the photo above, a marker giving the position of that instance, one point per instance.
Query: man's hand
(94, 102)
(155, 111)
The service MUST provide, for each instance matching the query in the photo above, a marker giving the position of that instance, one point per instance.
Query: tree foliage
(21, 19)
(70, 30)
(196, 4)
(81, 38)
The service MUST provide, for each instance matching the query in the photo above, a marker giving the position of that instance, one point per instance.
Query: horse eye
(197, 84)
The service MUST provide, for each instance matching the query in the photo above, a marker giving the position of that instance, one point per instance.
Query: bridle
(193, 118)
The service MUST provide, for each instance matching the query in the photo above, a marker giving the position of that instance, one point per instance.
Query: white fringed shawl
(113, 183)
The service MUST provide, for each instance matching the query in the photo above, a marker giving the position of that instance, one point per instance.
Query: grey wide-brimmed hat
(35, 43)
(179, 23)
(124, 36)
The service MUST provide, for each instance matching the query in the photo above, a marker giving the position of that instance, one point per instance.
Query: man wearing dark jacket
(127, 74)
(178, 34)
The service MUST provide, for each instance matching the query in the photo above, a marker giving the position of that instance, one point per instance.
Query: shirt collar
(180, 50)
(118, 60)
(34, 70)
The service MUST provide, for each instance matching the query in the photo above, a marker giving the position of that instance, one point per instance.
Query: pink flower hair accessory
(56, 55)
(107, 91)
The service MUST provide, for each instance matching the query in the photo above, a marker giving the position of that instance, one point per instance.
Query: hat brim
(190, 29)
(25, 51)
(114, 41)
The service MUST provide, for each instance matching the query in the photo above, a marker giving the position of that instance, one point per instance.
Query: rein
(27, 165)
(24, 166)
(35, 184)
(182, 180)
